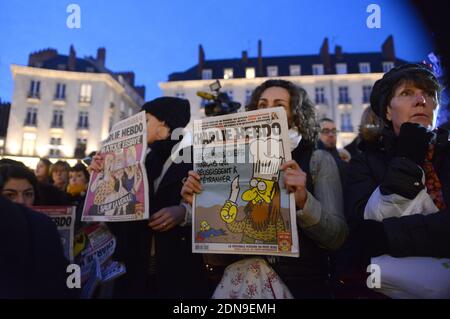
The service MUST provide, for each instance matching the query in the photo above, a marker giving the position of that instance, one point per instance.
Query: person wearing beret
(403, 176)
(157, 252)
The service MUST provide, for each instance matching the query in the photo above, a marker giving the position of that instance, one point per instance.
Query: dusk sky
(155, 38)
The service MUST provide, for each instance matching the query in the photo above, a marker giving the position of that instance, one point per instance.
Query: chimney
(140, 90)
(101, 56)
(388, 50)
(260, 62)
(338, 52)
(37, 58)
(325, 56)
(244, 57)
(127, 76)
(201, 60)
(72, 59)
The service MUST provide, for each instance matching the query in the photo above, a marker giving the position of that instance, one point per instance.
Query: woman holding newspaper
(313, 177)
(153, 250)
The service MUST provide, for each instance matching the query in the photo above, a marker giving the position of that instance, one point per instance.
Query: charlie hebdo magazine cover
(244, 207)
(120, 191)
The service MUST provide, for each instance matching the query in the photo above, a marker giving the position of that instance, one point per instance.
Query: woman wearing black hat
(398, 190)
(157, 252)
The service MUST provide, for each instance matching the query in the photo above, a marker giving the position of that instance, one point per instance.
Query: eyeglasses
(327, 131)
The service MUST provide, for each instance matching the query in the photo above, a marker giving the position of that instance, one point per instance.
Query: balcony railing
(33, 95)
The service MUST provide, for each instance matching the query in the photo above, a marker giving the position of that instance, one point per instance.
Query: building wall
(106, 98)
(330, 83)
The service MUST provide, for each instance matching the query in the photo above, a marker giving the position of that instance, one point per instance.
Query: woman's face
(411, 104)
(156, 129)
(41, 170)
(276, 96)
(19, 190)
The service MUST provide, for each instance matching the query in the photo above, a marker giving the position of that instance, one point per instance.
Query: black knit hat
(383, 88)
(175, 112)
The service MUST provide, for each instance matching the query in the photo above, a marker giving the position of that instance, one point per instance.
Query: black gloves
(403, 177)
(413, 142)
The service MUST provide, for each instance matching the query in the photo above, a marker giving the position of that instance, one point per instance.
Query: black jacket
(32, 263)
(180, 274)
(416, 235)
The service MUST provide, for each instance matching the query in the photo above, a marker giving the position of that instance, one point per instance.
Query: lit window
(250, 73)
(227, 74)
(55, 144)
(28, 143)
(85, 93)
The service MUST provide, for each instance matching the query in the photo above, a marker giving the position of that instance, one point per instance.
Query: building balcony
(33, 97)
(30, 124)
(82, 127)
(347, 129)
(344, 100)
(59, 100)
(84, 100)
(321, 101)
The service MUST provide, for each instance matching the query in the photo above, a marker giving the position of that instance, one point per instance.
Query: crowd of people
(386, 193)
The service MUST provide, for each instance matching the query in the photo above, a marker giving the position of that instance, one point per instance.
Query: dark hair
(10, 171)
(46, 161)
(302, 108)
(325, 119)
(80, 168)
(59, 164)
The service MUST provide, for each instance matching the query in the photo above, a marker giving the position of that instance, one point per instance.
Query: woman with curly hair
(313, 177)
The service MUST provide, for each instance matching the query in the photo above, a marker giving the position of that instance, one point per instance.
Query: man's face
(60, 176)
(328, 134)
(411, 104)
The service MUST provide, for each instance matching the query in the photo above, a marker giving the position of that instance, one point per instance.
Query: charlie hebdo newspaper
(119, 192)
(244, 207)
(64, 218)
(93, 251)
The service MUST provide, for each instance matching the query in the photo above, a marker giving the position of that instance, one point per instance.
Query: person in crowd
(158, 252)
(313, 177)
(42, 170)
(369, 128)
(32, 262)
(45, 193)
(77, 188)
(403, 174)
(327, 142)
(19, 184)
(59, 173)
